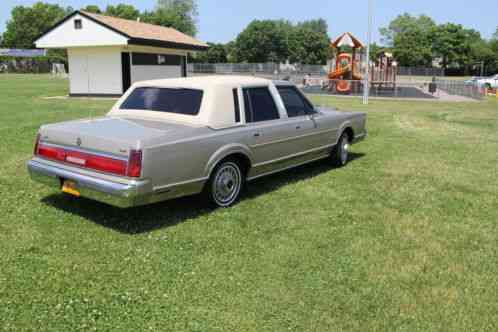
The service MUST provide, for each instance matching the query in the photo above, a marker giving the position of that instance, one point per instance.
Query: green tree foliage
(413, 47)
(121, 10)
(318, 25)
(406, 23)
(308, 46)
(263, 41)
(453, 44)
(92, 9)
(417, 41)
(178, 14)
(376, 50)
(216, 53)
(280, 40)
(28, 23)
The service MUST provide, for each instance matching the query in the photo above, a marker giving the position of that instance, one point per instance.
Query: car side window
(259, 105)
(295, 104)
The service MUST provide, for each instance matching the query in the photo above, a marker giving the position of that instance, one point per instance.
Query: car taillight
(83, 159)
(37, 142)
(134, 164)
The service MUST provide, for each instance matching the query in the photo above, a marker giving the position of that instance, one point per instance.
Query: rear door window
(295, 104)
(259, 105)
(166, 100)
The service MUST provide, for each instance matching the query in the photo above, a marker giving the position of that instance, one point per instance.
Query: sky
(222, 20)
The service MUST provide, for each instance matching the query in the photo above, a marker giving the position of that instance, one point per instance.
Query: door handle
(257, 134)
(298, 127)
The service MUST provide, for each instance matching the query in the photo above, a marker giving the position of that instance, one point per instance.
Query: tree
(279, 40)
(178, 14)
(216, 53)
(28, 23)
(318, 25)
(452, 43)
(264, 41)
(376, 50)
(413, 47)
(93, 9)
(308, 46)
(406, 23)
(410, 38)
(121, 10)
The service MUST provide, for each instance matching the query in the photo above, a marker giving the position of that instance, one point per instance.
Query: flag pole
(366, 85)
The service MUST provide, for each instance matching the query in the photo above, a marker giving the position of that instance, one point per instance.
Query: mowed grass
(404, 238)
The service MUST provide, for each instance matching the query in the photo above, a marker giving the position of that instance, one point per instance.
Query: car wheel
(340, 153)
(225, 184)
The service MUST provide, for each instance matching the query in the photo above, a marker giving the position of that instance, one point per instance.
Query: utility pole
(366, 85)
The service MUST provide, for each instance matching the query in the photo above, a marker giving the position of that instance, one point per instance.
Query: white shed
(108, 54)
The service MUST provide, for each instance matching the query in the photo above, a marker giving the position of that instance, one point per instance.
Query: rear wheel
(225, 184)
(340, 153)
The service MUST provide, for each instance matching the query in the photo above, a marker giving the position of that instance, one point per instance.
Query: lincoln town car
(175, 137)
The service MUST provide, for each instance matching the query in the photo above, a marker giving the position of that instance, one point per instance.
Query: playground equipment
(383, 72)
(347, 76)
(347, 65)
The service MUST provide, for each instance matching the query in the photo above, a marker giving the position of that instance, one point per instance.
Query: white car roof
(217, 106)
(203, 82)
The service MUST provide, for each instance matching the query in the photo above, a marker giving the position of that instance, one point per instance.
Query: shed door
(79, 80)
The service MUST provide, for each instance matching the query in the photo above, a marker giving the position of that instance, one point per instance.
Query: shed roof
(139, 33)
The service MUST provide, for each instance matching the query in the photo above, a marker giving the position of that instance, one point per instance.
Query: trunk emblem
(78, 141)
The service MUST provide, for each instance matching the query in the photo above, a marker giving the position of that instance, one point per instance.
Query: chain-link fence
(447, 90)
(314, 79)
(26, 65)
(256, 68)
(420, 71)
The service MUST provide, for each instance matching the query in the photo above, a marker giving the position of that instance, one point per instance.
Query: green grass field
(404, 238)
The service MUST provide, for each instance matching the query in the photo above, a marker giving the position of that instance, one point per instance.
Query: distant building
(107, 54)
(22, 53)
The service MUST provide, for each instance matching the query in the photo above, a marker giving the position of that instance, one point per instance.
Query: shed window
(149, 59)
(78, 24)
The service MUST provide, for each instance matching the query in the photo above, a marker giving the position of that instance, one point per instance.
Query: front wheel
(340, 153)
(225, 184)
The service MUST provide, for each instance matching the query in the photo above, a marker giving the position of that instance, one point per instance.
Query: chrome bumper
(117, 194)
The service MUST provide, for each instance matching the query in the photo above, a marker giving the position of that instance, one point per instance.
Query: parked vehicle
(488, 82)
(170, 138)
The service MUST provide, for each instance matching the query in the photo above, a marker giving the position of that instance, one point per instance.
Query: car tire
(225, 184)
(340, 153)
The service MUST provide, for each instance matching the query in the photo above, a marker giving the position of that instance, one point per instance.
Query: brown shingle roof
(139, 31)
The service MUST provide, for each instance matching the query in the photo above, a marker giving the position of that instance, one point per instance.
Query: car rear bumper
(117, 194)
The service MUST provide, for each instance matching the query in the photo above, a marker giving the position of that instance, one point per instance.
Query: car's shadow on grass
(148, 218)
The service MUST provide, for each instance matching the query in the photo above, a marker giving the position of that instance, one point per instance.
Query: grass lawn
(404, 238)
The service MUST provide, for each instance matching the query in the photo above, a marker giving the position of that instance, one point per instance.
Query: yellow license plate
(70, 187)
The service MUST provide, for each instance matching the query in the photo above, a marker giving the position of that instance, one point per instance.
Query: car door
(267, 133)
(299, 111)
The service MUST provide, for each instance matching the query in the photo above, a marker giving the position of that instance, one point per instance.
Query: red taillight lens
(135, 164)
(51, 152)
(104, 164)
(82, 159)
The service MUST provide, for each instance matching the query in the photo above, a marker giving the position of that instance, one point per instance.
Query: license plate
(70, 187)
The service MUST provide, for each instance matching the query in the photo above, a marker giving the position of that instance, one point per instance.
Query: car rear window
(167, 100)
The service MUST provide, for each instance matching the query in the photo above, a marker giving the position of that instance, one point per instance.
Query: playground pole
(366, 86)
